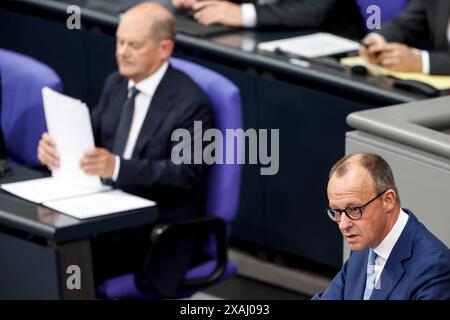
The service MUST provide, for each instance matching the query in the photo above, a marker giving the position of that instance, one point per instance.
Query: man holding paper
(139, 108)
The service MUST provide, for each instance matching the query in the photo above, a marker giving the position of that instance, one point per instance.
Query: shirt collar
(148, 85)
(385, 247)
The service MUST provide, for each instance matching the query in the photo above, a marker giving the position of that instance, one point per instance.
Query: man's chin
(125, 72)
(356, 245)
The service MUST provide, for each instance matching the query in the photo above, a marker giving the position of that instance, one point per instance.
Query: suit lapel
(114, 112)
(394, 268)
(357, 284)
(391, 275)
(442, 14)
(159, 108)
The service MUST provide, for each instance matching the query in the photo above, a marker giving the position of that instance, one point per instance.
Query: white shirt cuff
(425, 55)
(116, 169)
(248, 13)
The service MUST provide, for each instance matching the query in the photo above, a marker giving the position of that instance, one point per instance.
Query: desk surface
(240, 46)
(421, 125)
(52, 225)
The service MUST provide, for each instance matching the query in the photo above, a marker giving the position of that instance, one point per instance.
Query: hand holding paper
(69, 125)
(47, 153)
(98, 162)
(68, 148)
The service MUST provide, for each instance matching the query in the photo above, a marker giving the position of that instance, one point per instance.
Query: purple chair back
(222, 188)
(389, 8)
(23, 119)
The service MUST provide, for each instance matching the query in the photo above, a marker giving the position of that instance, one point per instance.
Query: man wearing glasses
(394, 257)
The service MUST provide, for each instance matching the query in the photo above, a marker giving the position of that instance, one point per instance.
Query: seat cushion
(124, 286)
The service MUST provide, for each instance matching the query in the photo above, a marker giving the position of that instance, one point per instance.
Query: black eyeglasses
(354, 213)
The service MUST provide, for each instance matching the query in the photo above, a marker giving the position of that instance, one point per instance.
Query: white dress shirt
(147, 88)
(383, 250)
(248, 12)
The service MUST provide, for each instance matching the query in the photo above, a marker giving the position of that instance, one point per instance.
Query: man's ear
(166, 48)
(389, 200)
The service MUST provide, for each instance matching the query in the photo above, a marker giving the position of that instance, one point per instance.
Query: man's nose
(122, 50)
(345, 222)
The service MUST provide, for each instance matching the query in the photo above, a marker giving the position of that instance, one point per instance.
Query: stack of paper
(46, 189)
(311, 46)
(70, 190)
(69, 124)
(439, 82)
(79, 202)
(101, 203)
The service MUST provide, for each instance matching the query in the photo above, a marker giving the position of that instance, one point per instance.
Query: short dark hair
(378, 168)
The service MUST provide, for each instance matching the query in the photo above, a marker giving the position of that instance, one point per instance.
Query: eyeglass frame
(358, 208)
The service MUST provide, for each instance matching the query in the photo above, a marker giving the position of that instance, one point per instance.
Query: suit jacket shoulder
(417, 268)
(428, 268)
(183, 87)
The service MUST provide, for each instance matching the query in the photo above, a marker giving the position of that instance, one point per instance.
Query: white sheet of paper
(99, 204)
(69, 124)
(45, 189)
(311, 46)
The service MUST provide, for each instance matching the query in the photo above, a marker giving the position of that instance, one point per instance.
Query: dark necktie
(123, 129)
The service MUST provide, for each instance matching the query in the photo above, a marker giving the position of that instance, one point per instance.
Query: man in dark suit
(336, 16)
(139, 108)
(394, 257)
(422, 20)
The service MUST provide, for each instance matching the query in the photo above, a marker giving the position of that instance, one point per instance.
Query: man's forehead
(130, 27)
(348, 190)
(356, 177)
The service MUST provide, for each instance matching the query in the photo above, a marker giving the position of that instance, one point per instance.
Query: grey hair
(378, 168)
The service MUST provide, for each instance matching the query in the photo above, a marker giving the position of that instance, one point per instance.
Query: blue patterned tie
(370, 281)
